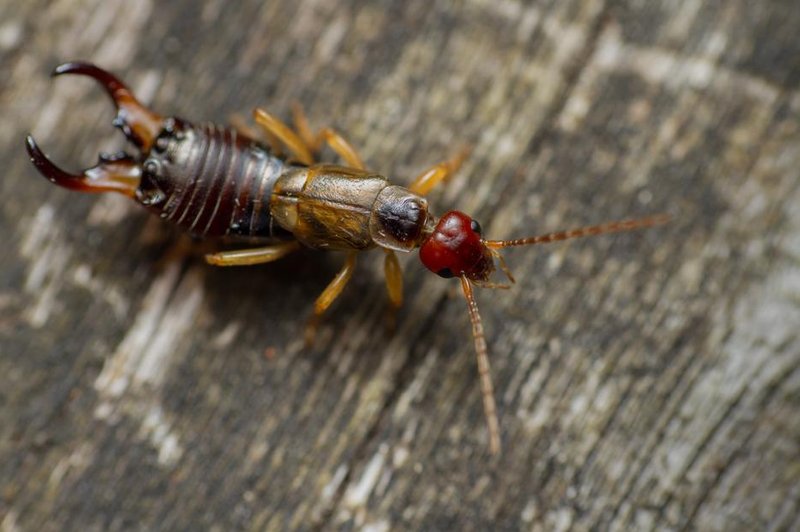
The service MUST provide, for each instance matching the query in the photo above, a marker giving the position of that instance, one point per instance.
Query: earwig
(215, 181)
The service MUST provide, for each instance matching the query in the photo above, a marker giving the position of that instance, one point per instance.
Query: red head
(456, 249)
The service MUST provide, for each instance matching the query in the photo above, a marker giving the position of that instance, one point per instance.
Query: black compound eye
(475, 226)
(447, 273)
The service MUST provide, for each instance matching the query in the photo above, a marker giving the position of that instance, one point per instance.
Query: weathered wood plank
(645, 381)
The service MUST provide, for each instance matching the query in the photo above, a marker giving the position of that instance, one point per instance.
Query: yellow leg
(289, 138)
(302, 127)
(394, 278)
(327, 136)
(248, 257)
(394, 284)
(239, 123)
(329, 295)
(343, 148)
(428, 179)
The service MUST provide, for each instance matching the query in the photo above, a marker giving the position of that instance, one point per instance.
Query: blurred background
(648, 380)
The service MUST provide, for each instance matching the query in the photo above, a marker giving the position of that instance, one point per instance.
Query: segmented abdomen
(221, 183)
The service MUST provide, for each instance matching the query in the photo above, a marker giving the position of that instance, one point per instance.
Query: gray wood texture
(645, 381)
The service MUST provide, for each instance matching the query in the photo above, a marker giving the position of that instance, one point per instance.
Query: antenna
(610, 227)
(487, 390)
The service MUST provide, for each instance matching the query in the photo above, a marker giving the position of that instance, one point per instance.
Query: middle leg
(329, 295)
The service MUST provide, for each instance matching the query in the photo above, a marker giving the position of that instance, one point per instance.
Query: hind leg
(275, 127)
(327, 136)
(250, 256)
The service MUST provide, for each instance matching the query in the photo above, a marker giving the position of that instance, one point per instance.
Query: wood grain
(645, 381)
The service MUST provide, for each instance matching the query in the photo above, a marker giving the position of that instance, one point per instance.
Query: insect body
(219, 182)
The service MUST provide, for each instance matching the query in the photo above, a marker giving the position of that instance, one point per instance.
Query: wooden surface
(645, 381)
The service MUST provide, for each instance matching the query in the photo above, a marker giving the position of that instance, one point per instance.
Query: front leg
(427, 180)
(394, 285)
